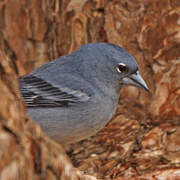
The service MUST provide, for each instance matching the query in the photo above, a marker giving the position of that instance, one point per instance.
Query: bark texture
(26, 153)
(142, 141)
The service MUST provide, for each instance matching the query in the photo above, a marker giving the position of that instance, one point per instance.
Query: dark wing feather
(39, 93)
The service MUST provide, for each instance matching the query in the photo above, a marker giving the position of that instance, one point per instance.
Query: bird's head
(112, 63)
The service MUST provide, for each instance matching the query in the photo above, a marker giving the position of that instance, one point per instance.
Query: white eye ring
(121, 67)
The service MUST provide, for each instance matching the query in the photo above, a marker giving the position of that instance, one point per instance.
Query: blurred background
(142, 140)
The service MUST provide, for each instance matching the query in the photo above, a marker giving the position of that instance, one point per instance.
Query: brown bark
(142, 140)
(26, 153)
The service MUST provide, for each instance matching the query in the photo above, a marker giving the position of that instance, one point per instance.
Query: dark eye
(121, 67)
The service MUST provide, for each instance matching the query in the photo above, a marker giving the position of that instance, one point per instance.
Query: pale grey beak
(135, 80)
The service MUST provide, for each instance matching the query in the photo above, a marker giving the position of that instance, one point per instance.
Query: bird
(76, 95)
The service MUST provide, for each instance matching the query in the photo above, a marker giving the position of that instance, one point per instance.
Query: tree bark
(144, 133)
(26, 153)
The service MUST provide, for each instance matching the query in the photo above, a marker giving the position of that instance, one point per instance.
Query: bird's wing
(39, 93)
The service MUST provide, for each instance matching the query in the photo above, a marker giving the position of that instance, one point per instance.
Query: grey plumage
(74, 96)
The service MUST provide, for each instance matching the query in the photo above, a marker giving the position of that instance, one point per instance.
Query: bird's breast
(71, 124)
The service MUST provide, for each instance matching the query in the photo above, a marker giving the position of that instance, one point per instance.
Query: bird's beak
(135, 80)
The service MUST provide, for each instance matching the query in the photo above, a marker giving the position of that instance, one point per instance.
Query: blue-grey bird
(76, 95)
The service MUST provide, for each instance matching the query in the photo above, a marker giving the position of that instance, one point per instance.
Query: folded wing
(39, 93)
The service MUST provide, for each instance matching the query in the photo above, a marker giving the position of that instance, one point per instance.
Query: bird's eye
(121, 67)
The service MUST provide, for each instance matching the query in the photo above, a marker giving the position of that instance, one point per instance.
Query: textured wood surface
(143, 139)
(25, 152)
